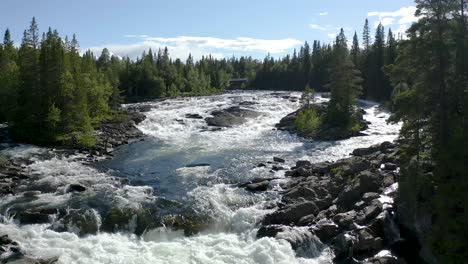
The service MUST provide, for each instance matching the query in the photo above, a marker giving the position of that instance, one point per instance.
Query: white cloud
(180, 47)
(332, 35)
(135, 36)
(405, 15)
(402, 18)
(323, 14)
(385, 21)
(318, 27)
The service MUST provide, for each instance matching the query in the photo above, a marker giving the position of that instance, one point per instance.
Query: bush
(308, 122)
(3, 161)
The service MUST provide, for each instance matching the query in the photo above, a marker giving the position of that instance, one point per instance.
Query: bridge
(237, 83)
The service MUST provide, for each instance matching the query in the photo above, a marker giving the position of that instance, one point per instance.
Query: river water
(184, 162)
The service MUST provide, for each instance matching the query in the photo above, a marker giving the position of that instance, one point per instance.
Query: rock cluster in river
(11, 252)
(112, 134)
(229, 117)
(288, 123)
(347, 204)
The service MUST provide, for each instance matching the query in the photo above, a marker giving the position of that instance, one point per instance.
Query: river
(181, 162)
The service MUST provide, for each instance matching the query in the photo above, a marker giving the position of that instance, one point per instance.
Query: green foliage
(431, 100)
(3, 161)
(345, 86)
(308, 122)
(307, 96)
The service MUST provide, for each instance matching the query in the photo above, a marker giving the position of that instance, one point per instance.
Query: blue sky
(222, 28)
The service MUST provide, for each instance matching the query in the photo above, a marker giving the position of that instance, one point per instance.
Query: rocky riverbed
(347, 204)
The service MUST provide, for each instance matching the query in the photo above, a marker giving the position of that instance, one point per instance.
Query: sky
(200, 27)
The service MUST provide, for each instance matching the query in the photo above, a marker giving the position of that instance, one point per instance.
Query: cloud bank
(181, 46)
(399, 20)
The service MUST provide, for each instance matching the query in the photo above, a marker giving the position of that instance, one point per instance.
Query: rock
(307, 220)
(389, 166)
(325, 230)
(343, 244)
(370, 212)
(260, 186)
(261, 165)
(277, 159)
(109, 149)
(269, 231)
(128, 219)
(369, 196)
(229, 117)
(5, 240)
(303, 163)
(277, 168)
(360, 152)
(359, 205)
(81, 222)
(194, 116)
(28, 217)
(366, 242)
(299, 192)
(321, 168)
(291, 214)
(288, 123)
(345, 220)
(75, 188)
(194, 165)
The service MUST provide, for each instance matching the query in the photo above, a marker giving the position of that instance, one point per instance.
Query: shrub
(308, 122)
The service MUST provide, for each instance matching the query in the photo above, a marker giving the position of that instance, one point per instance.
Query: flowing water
(186, 163)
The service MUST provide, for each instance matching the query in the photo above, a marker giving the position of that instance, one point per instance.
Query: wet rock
(260, 186)
(270, 230)
(288, 122)
(277, 159)
(367, 197)
(28, 217)
(128, 219)
(298, 193)
(75, 188)
(370, 212)
(277, 168)
(360, 152)
(291, 214)
(194, 165)
(321, 168)
(307, 220)
(389, 166)
(345, 220)
(343, 244)
(194, 116)
(325, 230)
(303, 163)
(366, 242)
(260, 165)
(229, 117)
(81, 222)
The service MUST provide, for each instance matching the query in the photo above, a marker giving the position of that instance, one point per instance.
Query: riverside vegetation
(51, 94)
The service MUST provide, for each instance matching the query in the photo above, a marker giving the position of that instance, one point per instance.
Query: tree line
(312, 65)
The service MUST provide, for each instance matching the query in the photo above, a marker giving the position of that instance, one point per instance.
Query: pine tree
(355, 50)
(344, 86)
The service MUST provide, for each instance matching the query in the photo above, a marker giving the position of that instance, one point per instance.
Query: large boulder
(230, 117)
(291, 214)
(366, 181)
(298, 193)
(325, 230)
(81, 222)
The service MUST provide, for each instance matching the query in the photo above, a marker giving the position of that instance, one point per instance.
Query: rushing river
(167, 166)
